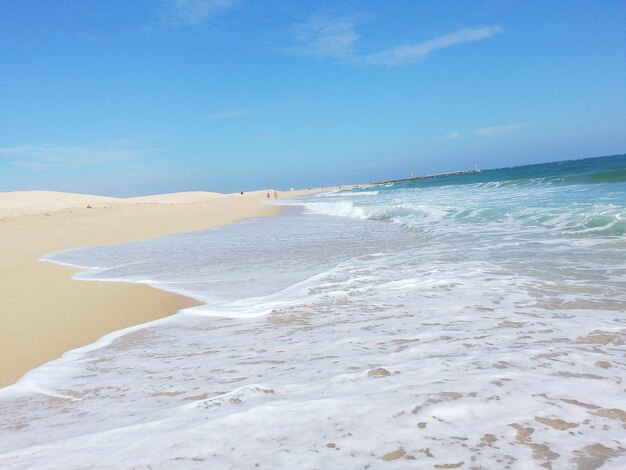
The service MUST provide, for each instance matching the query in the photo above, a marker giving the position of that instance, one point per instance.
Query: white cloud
(324, 37)
(42, 157)
(190, 12)
(498, 130)
(400, 55)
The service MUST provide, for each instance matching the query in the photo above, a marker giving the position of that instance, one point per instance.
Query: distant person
(275, 194)
(242, 193)
(268, 195)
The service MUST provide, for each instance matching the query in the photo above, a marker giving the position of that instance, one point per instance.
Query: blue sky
(128, 98)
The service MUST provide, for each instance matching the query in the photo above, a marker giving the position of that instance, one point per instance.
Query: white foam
(352, 193)
(334, 342)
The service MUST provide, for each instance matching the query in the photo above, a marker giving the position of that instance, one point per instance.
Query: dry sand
(43, 312)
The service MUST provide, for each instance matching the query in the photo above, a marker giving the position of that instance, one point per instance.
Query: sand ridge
(19, 203)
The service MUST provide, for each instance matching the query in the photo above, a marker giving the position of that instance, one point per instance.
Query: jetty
(432, 175)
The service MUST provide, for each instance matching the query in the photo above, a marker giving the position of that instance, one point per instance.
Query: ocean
(468, 321)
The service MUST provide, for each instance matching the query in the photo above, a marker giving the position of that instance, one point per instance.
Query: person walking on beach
(275, 194)
(268, 195)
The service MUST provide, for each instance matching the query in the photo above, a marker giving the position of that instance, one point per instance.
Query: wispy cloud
(266, 109)
(42, 157)
(191, 12)
(323, 37)
(31, 165)
(451, 136)
(498, 130)
(229, 114)
(408, 53)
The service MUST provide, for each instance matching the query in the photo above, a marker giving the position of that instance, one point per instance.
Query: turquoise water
(609, 169)
(470, 321)
(578, 196)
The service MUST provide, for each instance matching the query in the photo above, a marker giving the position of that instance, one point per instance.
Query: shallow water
(422, 325)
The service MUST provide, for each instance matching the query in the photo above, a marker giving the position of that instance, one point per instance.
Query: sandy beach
(43, 311)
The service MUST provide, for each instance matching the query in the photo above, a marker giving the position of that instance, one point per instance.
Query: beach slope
(43, 312)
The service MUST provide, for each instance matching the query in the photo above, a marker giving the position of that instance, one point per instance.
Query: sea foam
(477, 327)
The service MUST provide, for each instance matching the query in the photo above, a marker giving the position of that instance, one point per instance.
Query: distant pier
(423, 177)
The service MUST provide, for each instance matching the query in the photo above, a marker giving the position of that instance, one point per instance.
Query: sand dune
(174, 198)
(17, 203)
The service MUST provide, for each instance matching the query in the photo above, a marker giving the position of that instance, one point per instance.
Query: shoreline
(44, 312)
